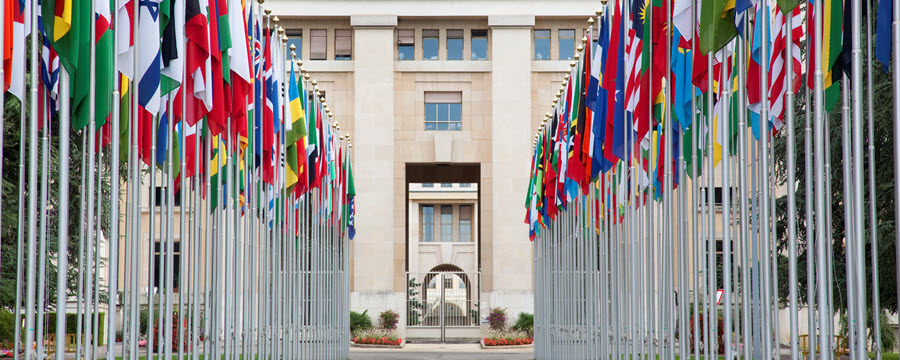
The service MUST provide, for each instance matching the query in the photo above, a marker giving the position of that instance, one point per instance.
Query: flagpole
(857, 88)
(895, 39)
(2, 127)
(811, 227)
(873, 196)
(32, 198)
(42, 242)
(791, 187)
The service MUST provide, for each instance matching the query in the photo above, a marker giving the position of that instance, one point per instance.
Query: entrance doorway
(443, 264)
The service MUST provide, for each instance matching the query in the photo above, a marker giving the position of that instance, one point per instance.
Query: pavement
(438, 351)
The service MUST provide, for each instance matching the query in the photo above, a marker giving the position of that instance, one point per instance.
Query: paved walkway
(441, 352)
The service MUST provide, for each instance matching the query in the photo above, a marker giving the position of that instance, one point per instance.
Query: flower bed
(6, 353)
(505, 342)
(506, 338)
(374, 336)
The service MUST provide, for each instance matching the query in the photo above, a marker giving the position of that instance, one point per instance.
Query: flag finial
(591, 20)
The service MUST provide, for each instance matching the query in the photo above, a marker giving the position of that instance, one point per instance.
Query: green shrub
(525, 323)
(7, 329)
(360, 321)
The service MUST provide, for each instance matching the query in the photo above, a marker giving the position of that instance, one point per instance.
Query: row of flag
(212, 72)
(610, 113)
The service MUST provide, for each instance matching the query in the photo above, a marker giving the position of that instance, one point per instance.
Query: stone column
(509, 277)
(373, 151)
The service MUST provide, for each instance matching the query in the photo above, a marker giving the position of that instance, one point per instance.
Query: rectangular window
(343, 44)
(443, 111)
(479, 44)
(427, 223)
(430, 43)
(160, 275)
(454, 44)
(566, 44)
(406, 44)
(462, 284)
(448, 283)
(427, 185)
(542, 44)
(162, 196)
(446, 223)
(465, 223)
(465, 185)
(295, 37)
(318, 46)
(446, 185)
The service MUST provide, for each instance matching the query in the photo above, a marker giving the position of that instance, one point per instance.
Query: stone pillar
(509, 279)
(373, 151)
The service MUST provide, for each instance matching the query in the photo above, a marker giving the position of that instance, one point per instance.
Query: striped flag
(49, 68)
(21, 17)
(148, 75)
(777, 68)
(125, 37)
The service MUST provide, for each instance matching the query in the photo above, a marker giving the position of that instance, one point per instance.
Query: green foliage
(360, 321)
(15, 134)
(885, 230)
(416, 307)
(525, 323)
(887, 333)
(7, 326)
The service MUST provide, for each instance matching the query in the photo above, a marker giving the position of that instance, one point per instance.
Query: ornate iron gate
(443, 306)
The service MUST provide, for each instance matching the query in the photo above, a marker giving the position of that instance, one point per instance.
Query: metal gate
(443, 306)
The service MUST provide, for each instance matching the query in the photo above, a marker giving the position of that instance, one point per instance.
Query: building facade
(438, 92)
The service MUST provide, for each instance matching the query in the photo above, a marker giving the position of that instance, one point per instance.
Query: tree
(9, 227)
(884, 182)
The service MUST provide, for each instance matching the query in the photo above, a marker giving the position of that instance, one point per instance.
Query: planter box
(374, 346)
(483, 346)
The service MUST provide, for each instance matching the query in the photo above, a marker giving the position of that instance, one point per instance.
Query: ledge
(561, 66)
(442, 66)
(373, 21)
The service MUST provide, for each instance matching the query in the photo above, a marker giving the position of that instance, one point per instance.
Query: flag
(240, 68)
(716, 26)
(49, 67)
(197, 62)
(351, 196)
(148, 71)
(295, 121)
(21, 28)
(831, 47)
(777, 69)
(216, 119)
(884, 44)
(610, 84)
(270, 113)
(125, 37)
(104, 73)
(172, 17)
(9, 9)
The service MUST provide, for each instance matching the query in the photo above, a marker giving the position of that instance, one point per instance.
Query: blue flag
(883, 42)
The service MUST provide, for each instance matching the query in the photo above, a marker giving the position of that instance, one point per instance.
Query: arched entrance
(442, 304)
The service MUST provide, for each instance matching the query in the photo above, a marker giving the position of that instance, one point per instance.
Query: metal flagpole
(791, 188)
(857, 88)
(745, 230)
(62, 257)
(709, 324)
(811, 227)
(20, 251)
(114, 182)
(895, 39)
(820, 177)
(873, 197)
(849, 220)
(726, 218)
(42, 231)
(167, 314)
(764, 135)
(32, 196)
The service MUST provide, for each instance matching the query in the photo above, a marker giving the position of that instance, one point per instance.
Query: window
(343, 44)
(454, 44)
(317, 44)
(448, 283)
(427, 223)
(430, 44)
(406, 44)
(295, 37)
(542, 44)
(479, 44)
(433, 283)
(465, 223)
(446, 223)
(462, 284)
(443, 111)
(161, 197)
(427, 185)
(465, 185)
(159, 257)
(446, 185)
(566, 44)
